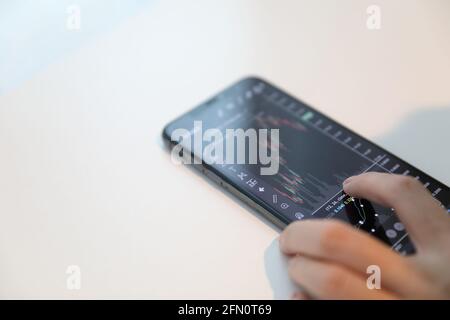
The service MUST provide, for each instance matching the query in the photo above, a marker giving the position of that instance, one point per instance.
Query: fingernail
(346, 181)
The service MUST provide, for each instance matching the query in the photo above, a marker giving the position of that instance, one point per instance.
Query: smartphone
(315, 155)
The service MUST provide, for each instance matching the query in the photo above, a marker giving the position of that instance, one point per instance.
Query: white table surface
(83, 177)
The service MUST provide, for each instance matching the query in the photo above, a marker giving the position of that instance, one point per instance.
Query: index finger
(421, 214)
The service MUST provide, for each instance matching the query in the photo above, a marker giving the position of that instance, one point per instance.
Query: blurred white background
(83, 177)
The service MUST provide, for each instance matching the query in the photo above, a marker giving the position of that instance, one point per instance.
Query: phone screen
(316, 155)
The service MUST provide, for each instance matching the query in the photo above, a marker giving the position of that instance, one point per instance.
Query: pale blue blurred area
(33, 33)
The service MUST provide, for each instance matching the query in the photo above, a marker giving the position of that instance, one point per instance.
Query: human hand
(329, 259)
